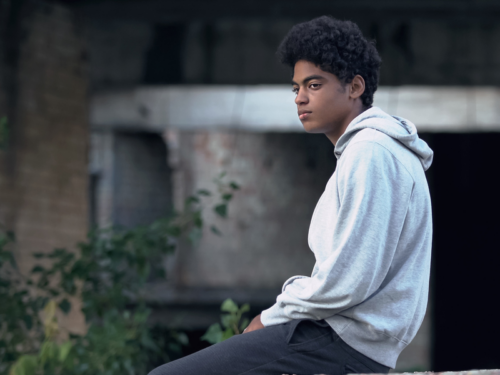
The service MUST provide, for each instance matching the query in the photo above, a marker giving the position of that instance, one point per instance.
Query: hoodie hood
(395, 127)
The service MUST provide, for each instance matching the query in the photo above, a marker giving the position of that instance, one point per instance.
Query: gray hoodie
(371, 236)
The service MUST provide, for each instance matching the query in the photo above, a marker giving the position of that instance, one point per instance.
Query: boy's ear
(357, 87)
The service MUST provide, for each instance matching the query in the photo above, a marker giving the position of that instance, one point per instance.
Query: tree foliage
(107, 273)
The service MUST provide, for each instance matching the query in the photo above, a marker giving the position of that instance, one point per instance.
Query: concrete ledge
(162, 293)
(271, 108)
(197, 308)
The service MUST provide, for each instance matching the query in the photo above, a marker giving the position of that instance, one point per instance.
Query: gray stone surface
(265, 240)
(265, 108)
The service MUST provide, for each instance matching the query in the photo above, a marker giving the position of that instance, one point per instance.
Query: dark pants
(302, 347)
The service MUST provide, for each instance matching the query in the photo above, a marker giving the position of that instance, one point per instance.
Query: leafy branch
(107, 272)
(230, 320)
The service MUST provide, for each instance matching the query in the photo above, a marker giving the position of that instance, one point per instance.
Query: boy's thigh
(235, 355)
(297, 347)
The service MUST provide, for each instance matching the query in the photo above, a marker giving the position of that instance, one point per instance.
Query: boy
(370, 232)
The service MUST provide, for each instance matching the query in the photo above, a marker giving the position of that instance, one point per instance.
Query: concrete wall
(143, 191)
(268, 108)
(131, 180)
(265, 240)
(43, 90)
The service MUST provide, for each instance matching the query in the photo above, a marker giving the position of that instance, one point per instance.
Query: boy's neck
(357, 110)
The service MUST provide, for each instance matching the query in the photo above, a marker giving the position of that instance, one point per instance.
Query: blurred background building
(121, 109)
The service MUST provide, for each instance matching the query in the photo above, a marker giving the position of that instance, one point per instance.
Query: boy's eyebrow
(305, 80)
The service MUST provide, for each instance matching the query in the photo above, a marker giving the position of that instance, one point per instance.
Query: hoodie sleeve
(374, 191)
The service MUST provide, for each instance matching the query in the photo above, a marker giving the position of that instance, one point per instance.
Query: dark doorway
(466, 201)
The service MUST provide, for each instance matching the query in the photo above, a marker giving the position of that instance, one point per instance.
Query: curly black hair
(337, 47)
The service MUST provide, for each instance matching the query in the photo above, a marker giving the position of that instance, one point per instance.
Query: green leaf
(234, 185)
(229, 306)
(43, 282)
(147, 342)
(227, 197)
(195, 235)
(65, 306)
(244, 324)
(182, 338)
(64, 350)
(213, 334)
(227, 334)
(39, 255)
(48, 351)
(245, 308)
(215, 230)
(54, 292)
(68, 284)
(229, 320)
(28, 321)
(197, 220)
(190, 200)
(25, 365)
(37, 269)
(221, 209)
(204, 192)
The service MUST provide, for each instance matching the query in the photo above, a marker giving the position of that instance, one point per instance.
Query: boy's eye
(314, 85)
(295, 90)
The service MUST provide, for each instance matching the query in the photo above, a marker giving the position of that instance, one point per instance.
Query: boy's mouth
(304, 114)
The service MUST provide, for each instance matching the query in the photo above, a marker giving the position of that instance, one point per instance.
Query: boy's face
(324, 105)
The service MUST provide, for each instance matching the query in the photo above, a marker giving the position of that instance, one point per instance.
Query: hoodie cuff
(273, 316)
(276, 313)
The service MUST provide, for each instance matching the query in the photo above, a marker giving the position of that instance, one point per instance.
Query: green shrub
(108, 273)
(52, 358)
(20, 329)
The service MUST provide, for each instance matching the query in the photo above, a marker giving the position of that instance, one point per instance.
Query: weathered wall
(43, 173)
(143, 191)
(130, 178)
(264, 242)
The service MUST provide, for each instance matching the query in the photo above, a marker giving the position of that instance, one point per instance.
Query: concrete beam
(271, 108)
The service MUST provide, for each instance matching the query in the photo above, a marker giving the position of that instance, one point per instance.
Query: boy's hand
(254, 325)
